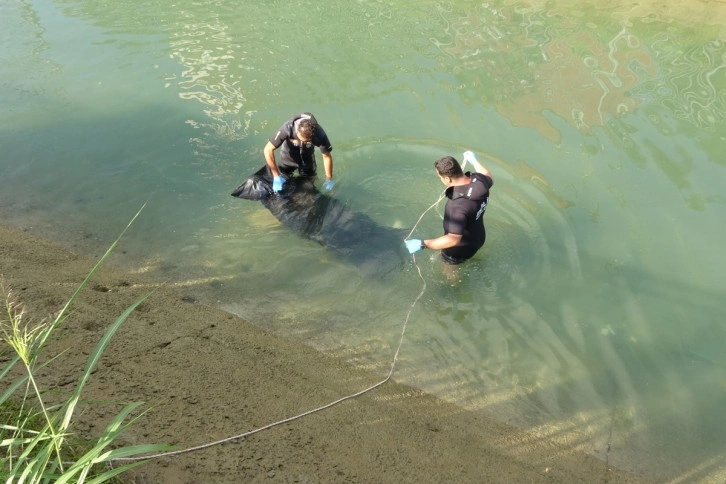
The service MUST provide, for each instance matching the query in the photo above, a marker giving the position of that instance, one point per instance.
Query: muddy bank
(206, 375)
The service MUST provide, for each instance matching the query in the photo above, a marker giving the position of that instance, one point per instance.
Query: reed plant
(35, 437)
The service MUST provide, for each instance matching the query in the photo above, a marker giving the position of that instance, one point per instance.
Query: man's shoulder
(282, 133)
(321, 139)
(320, 132)
(485, 179)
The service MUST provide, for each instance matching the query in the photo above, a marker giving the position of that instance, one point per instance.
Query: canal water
(595, 312)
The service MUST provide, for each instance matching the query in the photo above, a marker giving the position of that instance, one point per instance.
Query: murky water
(595, 312)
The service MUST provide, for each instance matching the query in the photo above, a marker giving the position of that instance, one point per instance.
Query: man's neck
(462, 180)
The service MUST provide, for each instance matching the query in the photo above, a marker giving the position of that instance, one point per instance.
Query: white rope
(314, 410)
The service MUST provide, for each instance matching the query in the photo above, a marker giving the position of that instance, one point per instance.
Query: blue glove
(413, 245)
(469, 156)
(277, 183)
(328, 185)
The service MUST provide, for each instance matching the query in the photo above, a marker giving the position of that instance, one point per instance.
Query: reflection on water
(690, 83)
(594, 314)
(524, 67)
(209, 55)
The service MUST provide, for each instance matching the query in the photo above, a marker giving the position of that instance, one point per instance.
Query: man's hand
(277, 183)
(469, 157)
(413, 245)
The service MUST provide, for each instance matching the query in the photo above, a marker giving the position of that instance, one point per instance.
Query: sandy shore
(206, 375)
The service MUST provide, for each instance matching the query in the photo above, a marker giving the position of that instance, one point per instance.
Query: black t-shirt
(294, 152)
(464, 215)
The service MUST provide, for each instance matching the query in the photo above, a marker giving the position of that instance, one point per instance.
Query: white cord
(318, 409)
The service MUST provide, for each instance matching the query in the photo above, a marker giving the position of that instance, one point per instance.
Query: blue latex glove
(277, 183)
(413, 245)
(469, 156)
(328, 185)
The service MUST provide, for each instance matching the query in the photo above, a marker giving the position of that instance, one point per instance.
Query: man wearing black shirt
(468, 195)
(297, 139)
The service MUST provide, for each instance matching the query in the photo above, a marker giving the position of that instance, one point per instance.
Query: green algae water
(594, 315)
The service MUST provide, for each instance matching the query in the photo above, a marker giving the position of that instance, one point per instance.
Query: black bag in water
(256, 187)
(376, 250)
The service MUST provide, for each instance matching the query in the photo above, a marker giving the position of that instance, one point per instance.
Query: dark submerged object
(376, 250)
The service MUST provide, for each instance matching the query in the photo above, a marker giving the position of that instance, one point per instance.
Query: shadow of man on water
(351, 236)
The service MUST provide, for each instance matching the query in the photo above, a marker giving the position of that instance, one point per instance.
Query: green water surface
(595, 312)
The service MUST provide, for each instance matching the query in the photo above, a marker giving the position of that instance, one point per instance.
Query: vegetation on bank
(36, 439)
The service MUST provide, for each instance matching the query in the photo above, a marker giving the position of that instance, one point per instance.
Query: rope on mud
(314, 410)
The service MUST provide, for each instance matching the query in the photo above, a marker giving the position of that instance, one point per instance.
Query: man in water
(297, 139)
(468, 195)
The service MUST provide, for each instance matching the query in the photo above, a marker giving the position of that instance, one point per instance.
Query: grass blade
(73, 297)
(93, 359)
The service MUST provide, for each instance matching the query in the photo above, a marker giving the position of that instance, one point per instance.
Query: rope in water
(314, 410)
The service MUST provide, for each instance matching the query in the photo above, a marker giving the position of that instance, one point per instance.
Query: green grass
(36, 439)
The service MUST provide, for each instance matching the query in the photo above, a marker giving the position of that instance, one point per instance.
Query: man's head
(305, 130)
(448, 169)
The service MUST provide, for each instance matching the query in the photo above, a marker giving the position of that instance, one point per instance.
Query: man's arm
(479, 168)
(328, 164)
(443, 242)
(470, 157)
(270, 159)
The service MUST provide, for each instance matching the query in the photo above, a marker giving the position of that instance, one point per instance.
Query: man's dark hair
(306, 129)
(448, 166)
